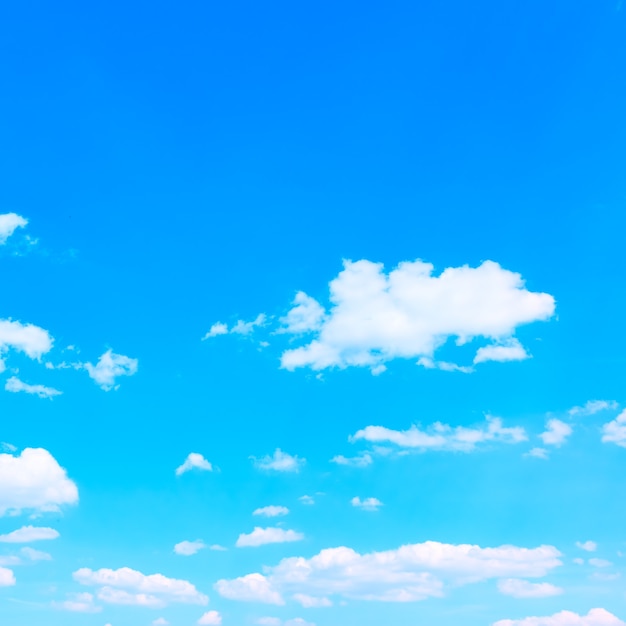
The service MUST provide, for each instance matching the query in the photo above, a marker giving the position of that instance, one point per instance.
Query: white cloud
(538, 453)
(594, 406)
(362, 460)
(587, 546)
(212, 618)
(15, 385)
(615, 431)
(307, 500)
(523, 589)
(9, 223)
(262, 536)
(272, 511)
(407, 574)
(34, 480)
(274, 621)
(7, 578)
(194, 461)
(240, 328)
(78, 603)
(443, 437)
(375, 317)
(35, 555)
(431, 364)
(109, 367)
(369, 504)
(217, 548)
(279, 462)
(556, 433)
(28, 534)
(508, 350)
(160, 621)
(152, 590)
(32, 340)
(298, 621)
(309, 602)
(595, 617)
(306, 316)
(600, 563)
(188, 548)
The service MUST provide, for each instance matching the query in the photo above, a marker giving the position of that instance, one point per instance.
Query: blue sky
(313, 314)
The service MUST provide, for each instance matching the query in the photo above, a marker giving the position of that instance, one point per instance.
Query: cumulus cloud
(443, 437)
(279, 462)
(78, 603)
(194, 461)
(361, 460)
(369, 504)
(375, 317)
(262, 536)
(9, 223)
(524, 589)
(240, 328)
(144, 590)
(7, 578)
(28, 534)
(34, 480)
(556, 433)
(15, 385)
(407, 574)
(211, 618)
(595, 617)
(594, 406)
(109, 368)
(272, 511)
(615, 431)
(188, 548)
(29, 339)
(587, 546)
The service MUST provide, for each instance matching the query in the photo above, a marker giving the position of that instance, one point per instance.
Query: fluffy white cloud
(194, 461)
(524, 589)
(28, 534)
(362, 460)
(9, 223)
(262, 536)
(240, 328)
(408, 574)
(15, 385)
(615, 431)
(188, 548)
(32, 340)
(34, 480)
(509, 350)
(369, 504)
(7, 578)
(587, 546)
(443, 437)
(375, 317)
(109, 367)
(272, 511)
(78, 603)
(211, 618)
(556, 433)
(149, 590)
(595, 617)
(279, 462)
(594, 406)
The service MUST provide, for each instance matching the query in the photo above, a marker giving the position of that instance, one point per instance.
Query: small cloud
(594, 406)
(160, 621)
(109, 367)
(362, 460)
(9, 223)
(217, 329)
(279, 462)
(587, 546)
(28, 534)
(263, 536)
(615, 431)
(217, 548)
(523, 589)
(15, 385)
(444, 366)
(188, 548)
(212, 618)
(538, 453)
(78, 603)
(308, 500)
(369, 504)
(194, 461)
(35, 555)
(509, 350)
(556, 433)
(272, 511)
(240, 328)
(306, 316)
(599, 563)
(309, 602)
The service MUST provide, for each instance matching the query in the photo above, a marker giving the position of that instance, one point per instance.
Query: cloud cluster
(595, 617)
(375, 317)
(130, 587)
(407, 574)
(240, 328)
(279, 462)
(442, 436)
(109, 367)
(34, 480)
(194, 460)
